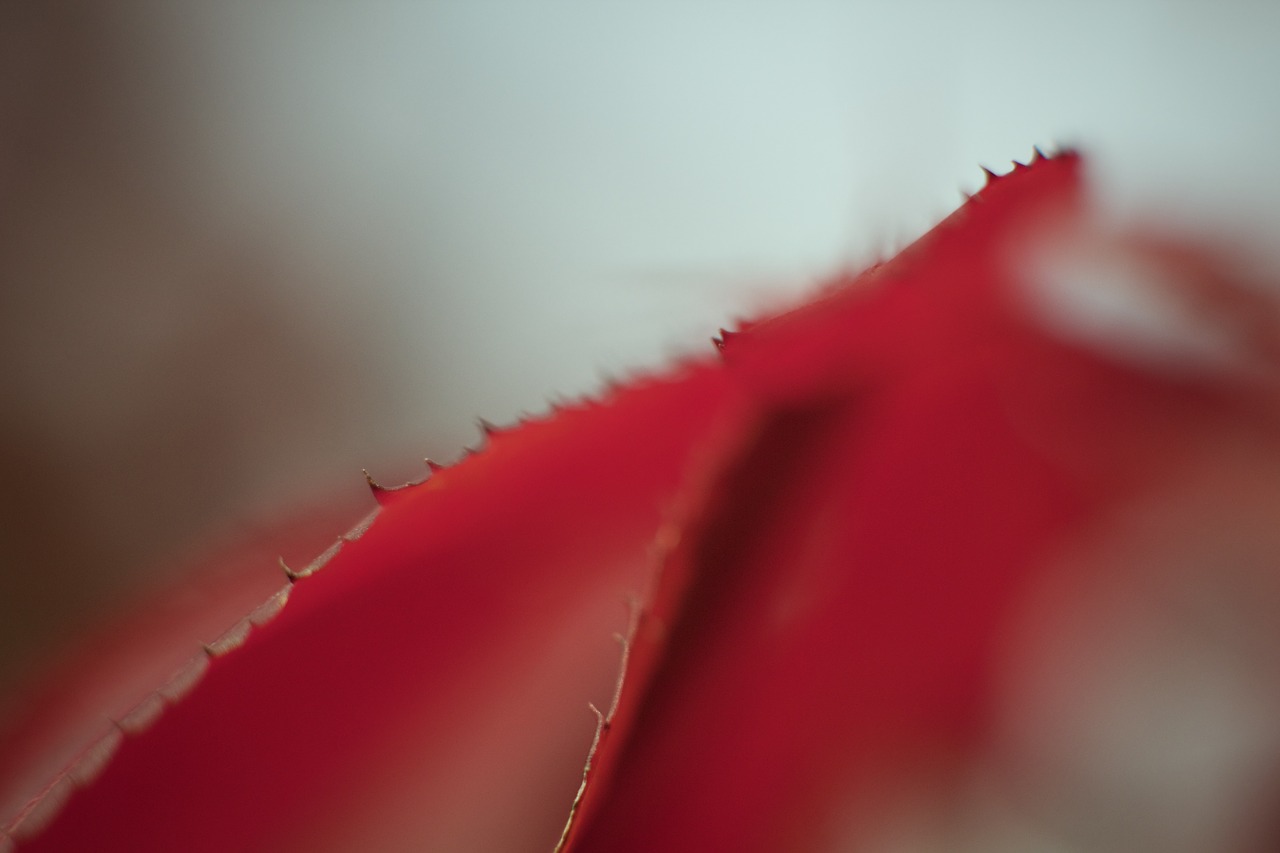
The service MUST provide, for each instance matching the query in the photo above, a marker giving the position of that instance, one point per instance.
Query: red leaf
(921, 455)
(851, 508)
(435, 660)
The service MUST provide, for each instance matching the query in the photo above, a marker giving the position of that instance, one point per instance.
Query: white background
(250, 248)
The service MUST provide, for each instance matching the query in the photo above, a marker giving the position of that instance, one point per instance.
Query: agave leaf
(829, 526)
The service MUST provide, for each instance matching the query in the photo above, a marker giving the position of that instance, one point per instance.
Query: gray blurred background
(249, 248)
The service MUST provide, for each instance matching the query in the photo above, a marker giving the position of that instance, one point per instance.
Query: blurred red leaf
(847, 511)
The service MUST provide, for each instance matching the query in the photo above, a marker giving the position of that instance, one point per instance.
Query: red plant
(895, 557)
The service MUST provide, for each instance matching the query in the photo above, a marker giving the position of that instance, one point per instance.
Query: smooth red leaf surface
(116, 668)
